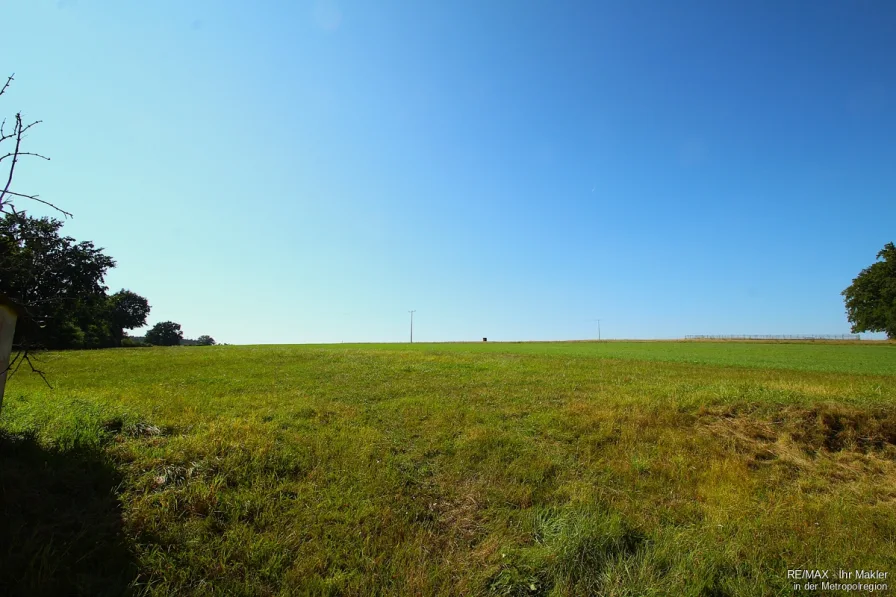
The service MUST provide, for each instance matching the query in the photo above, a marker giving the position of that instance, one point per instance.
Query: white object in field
(7, 329)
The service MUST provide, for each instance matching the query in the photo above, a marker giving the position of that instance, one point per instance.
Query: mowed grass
(499, 469)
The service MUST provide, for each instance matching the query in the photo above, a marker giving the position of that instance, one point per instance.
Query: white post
(7, 329)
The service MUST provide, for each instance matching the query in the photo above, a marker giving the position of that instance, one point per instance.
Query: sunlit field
(663, 468)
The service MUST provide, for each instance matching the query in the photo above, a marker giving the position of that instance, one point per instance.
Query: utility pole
(598, 327)
(412, 325)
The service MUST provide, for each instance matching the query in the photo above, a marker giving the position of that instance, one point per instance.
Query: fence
(797, 337)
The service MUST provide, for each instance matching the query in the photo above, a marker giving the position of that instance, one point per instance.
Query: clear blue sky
(291, 172)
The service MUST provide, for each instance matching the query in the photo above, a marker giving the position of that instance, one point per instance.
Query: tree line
(60, 282)
(56, 283)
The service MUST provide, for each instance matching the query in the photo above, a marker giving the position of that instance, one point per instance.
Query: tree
(57, 279)
(205, 341)
(127, 310)
(166, 333)
(60, 281)
(92, 316)
(871, 298)
(12, 155)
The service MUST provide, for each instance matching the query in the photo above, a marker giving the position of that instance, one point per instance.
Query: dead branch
(39, 200)
(19, 129)
(37, 155)
(26, 127)
(3, 135)
(15, 159)
(11, 363)
(24, 356)
(8, 81)
(18, 133)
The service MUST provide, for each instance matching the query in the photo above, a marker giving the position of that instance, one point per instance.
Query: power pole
(598, 327)
(412, 325)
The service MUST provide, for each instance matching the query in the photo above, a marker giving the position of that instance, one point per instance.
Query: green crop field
(616, 468)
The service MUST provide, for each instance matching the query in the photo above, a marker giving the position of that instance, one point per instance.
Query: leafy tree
(92, 316)
(871, 298)
(127, 310)
(57, 279)
(205, 341)
(60, 282)
(166, 333)
(11, 153)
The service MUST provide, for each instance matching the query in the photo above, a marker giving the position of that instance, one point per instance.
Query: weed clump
(571, 548)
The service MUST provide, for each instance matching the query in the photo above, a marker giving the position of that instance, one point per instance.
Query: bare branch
(8, 81)
(37, 155)
(27, 359)
(11, 363)
(39, 200)
(25, 128)
(12, 167)
(24, 356)
(48, 204)
(22, 195)
(18, 132)
(19, 129)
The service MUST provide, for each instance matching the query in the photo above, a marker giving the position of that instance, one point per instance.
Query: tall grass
(460, 469)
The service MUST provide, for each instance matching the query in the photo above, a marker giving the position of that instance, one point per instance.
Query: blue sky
(292, 172)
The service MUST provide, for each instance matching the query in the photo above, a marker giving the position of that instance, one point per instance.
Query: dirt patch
(460, 514)
(797, 437)
(836, 429)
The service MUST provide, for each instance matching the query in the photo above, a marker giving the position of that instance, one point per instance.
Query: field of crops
(663, 468)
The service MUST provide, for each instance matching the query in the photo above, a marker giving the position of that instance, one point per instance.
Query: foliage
(165, 333)
(58, 280)
(205, 341)
(61, 284)
(871, 298)
(128, 310)
(515, 469)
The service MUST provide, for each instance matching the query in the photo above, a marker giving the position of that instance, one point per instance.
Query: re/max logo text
(808, 574)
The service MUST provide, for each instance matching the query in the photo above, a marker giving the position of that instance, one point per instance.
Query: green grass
(841, 357)
(452, 469)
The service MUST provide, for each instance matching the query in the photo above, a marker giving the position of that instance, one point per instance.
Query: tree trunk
(8, 318)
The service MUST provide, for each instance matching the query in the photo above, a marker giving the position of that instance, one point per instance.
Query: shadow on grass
(60, 522)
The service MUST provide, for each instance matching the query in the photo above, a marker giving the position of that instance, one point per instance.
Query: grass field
(690, 468)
